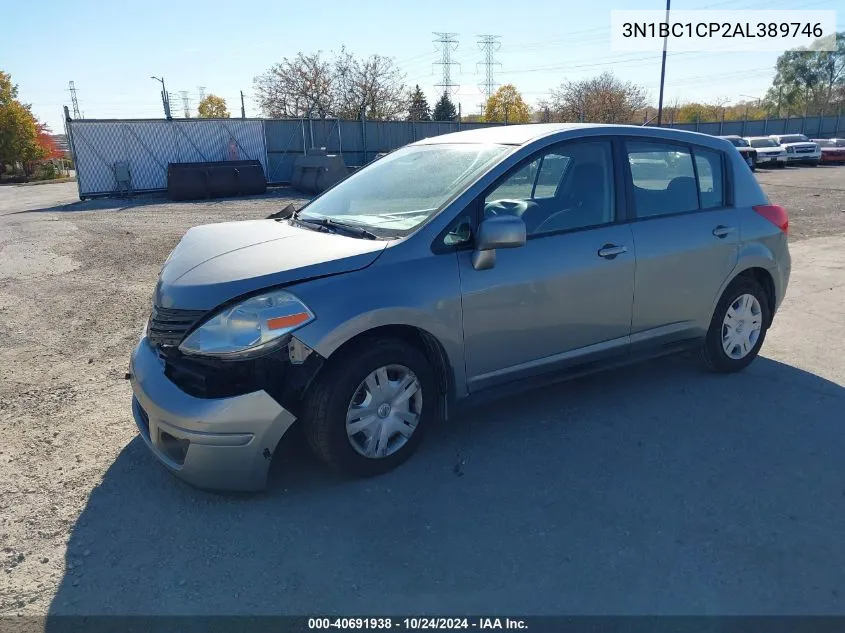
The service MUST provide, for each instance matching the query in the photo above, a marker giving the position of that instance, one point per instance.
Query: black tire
(814, 163)
(753, 163)
(781, 165)
(712, 354)
(325, 406)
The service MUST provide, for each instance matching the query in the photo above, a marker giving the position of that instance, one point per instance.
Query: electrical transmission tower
(72, 88)
(447, 42)
(201, 90)
(488, 44)
(186, 103)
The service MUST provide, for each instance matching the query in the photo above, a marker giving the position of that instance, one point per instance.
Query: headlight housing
(249, 327)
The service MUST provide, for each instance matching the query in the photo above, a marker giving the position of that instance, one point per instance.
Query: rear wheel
(738, 327)
(368, 412)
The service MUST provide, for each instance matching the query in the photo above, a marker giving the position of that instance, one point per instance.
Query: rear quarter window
(711, 186)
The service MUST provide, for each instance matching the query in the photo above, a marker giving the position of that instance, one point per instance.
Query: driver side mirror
(501, 231)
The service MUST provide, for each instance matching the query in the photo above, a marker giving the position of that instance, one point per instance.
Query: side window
(711, 189)
(664, 179)
(552, 169)
(460, 231)
(568, 186)
(517, 186)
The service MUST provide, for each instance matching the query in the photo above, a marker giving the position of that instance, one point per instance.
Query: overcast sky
(110, 48)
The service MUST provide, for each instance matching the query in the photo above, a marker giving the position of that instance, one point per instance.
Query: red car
(833, 150)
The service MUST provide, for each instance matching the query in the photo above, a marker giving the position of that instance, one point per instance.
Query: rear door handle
(723, 231)
(609, 251)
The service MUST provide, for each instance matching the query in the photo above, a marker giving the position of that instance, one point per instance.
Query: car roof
(731, 136)
(526, 133)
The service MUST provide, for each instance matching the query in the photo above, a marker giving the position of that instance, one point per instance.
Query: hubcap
(384, 411)
(742, 326)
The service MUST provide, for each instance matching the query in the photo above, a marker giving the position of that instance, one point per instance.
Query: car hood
(769, 150)
(800, 145)
(217, 262)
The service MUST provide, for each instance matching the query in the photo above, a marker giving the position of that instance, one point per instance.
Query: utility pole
(447, 42)
(488, 44)
(186, 103)
(165, 99)
(663, 71)
(73, 100)
(243, 110)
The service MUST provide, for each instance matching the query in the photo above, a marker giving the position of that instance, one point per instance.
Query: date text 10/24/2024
(417, 623)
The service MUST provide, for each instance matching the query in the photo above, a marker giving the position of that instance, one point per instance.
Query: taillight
(775, 214)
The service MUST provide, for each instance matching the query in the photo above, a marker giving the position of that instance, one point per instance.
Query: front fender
(423, 293)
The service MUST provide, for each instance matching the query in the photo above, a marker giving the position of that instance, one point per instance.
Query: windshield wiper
(328, 223)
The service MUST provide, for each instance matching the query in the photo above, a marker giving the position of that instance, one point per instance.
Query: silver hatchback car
(455, 268)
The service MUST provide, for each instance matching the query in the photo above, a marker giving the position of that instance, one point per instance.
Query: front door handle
(723, 231)
(609, 251)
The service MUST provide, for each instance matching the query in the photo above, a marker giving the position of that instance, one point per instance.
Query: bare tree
(345, 86)
(298, 87)
(602, 99)
(371, 87)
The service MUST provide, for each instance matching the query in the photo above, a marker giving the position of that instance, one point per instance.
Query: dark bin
(194, 181)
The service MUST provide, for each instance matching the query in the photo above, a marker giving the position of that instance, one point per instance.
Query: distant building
(61, 143)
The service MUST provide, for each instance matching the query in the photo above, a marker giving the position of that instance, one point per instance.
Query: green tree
(506, 106)
(810, 81)
(418, 109)
(444, 109)
(213, 107)
(19, 130)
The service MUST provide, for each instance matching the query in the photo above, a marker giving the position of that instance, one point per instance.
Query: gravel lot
(660, 489)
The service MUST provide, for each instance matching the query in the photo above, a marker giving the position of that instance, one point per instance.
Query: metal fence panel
(755, 128)
(711, 128)
(149, 145)
(285, 141)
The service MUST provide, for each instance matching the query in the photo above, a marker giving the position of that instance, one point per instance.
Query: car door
(566, 295)
(686, 235)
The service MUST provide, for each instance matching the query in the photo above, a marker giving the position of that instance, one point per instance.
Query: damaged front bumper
(223, 443)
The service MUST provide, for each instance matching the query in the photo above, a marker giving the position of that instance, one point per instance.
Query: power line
(73, 100)
(488, 44)
(447, 42)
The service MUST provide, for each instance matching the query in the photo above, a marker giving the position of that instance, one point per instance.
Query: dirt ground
(658, 490)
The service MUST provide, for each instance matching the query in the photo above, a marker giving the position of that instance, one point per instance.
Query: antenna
(72, 88)
(448, 42)
(488, 44)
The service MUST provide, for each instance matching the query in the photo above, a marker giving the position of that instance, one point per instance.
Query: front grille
(168, 326)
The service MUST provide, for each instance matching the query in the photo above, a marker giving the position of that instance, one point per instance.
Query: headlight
(248, 327)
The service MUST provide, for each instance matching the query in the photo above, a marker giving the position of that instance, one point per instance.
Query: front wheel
(738, 327)
(368, 411)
